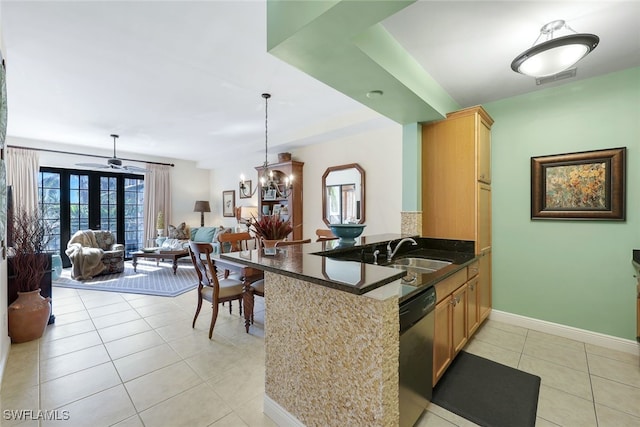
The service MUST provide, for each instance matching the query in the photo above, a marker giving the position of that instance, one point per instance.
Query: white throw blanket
(85, 256)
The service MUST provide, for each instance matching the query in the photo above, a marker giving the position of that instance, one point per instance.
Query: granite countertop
(350, 268)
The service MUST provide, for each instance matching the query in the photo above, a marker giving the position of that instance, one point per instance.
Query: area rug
(488, 393)
(149, 279)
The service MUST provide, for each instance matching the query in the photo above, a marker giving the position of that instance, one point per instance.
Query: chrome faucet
(391, 254)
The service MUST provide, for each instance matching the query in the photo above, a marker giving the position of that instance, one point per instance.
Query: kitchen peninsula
(332, 327)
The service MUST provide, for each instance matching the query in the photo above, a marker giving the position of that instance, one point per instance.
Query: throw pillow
(220, 230)
(180, 232)
(204, 234)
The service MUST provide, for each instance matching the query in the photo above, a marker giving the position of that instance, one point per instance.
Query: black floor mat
(488, 393)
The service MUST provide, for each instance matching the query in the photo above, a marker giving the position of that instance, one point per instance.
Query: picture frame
(229, 203)
(246, 194)
(277, 209)
(270, 194)
(588, 185)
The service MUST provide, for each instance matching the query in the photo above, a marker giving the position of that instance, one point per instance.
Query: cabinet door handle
(472, 286)
(453, 302)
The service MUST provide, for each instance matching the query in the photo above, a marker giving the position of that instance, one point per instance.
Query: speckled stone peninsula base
(331, 356)
(411, 223)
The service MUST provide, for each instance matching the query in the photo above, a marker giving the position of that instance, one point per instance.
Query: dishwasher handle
(411, 311)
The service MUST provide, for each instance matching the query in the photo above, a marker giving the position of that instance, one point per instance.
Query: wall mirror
(343, 194)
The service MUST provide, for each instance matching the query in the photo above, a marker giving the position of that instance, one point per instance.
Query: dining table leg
(247, 300)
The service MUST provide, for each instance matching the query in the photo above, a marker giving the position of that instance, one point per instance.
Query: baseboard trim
(6, 344)
(595, 338)
(279, 415)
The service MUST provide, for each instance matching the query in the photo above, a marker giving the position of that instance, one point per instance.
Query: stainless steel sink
(419, 264)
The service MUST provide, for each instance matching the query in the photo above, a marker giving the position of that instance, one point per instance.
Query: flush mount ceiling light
(554, 54)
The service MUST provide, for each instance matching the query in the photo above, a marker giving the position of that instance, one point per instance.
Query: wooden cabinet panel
(484, 151)
(448, 164)
(473, 309)
(484, 218)
(484, 301)
(445, 287)
(442, 348)
(459, 329)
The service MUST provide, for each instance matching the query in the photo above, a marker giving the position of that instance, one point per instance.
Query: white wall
(379, 153)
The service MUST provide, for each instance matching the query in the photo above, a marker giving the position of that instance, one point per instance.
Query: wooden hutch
(290, 207)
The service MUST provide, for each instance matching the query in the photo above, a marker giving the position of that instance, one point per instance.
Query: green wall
(576, 273)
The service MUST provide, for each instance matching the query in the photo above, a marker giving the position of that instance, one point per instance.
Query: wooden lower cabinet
(459, 321)
(457, 317)
(442, 338)
(451, 333)
(473, 305)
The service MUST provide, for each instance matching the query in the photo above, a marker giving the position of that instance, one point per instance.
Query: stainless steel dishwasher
(416, 355)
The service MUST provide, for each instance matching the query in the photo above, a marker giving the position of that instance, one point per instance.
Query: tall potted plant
(270, 229)
(29, 314)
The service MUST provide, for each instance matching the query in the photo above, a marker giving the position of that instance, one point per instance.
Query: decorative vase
(28, 316)
(269, 246)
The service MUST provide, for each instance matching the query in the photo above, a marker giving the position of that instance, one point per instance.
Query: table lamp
(202, 206)
(246, 214)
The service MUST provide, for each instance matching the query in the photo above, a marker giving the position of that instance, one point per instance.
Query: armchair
(94, 252)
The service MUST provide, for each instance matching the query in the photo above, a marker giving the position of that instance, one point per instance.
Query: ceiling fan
(113, 162)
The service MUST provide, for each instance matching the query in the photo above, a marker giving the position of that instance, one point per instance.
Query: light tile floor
(132, 360)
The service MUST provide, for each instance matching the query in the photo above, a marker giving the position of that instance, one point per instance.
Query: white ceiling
(183, 79)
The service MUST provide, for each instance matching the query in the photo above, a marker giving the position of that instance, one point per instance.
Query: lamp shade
(248, 212)
(202, 206)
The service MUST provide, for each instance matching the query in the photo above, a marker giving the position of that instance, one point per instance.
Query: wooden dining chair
(210, 287)
(292, 242)
(325, 234)
(237, 241)
(242, 242)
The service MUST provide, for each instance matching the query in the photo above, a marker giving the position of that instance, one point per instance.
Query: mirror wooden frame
(362, 189)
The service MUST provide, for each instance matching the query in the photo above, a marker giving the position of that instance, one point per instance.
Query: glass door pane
(109, 204)
(49, 198)
(78, 202)
(133, 215)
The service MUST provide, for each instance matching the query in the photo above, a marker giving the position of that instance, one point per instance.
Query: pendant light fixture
(267, 181)
(554, 54)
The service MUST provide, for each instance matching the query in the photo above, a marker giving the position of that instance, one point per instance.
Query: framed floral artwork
(586, 185)
(229, 203)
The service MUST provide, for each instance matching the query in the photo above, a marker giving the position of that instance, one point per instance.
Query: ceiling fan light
(553, 56)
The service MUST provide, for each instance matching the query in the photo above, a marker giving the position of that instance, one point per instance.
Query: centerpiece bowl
(347, 232)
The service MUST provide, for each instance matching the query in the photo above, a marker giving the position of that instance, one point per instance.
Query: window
(92, 200)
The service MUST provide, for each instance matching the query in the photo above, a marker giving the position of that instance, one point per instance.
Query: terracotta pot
(28, 316)
(270, 246)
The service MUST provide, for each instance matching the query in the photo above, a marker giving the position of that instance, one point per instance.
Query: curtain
(22, 174)
(157, 197)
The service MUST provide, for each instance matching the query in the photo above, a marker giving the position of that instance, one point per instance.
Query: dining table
(248, 275)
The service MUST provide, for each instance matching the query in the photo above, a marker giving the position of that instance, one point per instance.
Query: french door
(75, 200)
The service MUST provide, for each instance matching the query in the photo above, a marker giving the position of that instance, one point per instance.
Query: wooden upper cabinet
(456, 171)
(484, 151)
(480, 123)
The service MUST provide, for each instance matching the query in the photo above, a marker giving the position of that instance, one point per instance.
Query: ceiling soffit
(342, 44)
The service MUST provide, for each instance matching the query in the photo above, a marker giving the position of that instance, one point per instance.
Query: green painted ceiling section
(342, 44)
